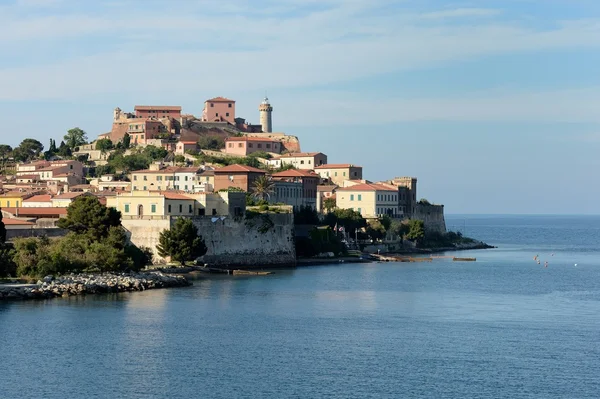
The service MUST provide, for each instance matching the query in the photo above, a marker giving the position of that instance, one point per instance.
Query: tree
(64, 150)
(2, 230)
(53, 148)
(154, 153)
(416, 230)
(182, 242)
(263, 187)
(350, 219)
(287, 166)
(179, 159)
(104, 145)
(306, 215)
(5, 153)
(86, 215)
(126, 141)
(211, 142)
(75, 137)
(28, 149)
(329, 204)
(386, 222)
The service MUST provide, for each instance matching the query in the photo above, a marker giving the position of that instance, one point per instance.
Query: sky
(494, 105)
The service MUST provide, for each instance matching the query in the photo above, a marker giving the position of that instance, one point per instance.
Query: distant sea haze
(503, 326)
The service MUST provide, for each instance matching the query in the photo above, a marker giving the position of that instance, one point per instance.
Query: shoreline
(84, 284)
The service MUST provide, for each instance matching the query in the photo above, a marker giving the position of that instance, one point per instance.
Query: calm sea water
(502, 327)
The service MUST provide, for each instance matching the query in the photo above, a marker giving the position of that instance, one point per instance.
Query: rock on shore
(78, 284)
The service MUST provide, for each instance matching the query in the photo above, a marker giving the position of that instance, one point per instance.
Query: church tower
(265, 116)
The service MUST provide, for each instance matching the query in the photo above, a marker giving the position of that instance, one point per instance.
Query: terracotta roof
(157, 107)
(337, 166)
(301, 154)
(188, 142)
(238, 168)
(366, 187)
(220, 100)
(175, 196)
(170, 169)
(15, 194)
(39, 198)
(36, 212)
(295, 173)
(28, 177)
(246, 138)
(68, 195)
(16, 222)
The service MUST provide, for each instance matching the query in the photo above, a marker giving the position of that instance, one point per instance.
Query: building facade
(304, 160)
(219, 109)
(338, 173)
(236, 176)
(245, 145)
(370, 200)
(309, 181)
(157, 111)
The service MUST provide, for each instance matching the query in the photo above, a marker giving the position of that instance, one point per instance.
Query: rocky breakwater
(79, 284)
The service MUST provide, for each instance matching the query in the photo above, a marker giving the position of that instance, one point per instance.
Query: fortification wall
(28, 231)
(259, 241)
(432, 217)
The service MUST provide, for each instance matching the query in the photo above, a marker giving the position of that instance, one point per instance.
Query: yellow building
(165, 178)
(155, 204)
(370, 200)
(304, 160)
(338, 173)
(13, 199)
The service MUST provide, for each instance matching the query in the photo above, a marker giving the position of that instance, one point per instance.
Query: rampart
(432, 217)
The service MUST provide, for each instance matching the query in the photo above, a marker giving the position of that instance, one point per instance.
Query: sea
(503, 326)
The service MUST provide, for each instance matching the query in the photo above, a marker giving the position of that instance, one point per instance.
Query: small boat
(455, 259)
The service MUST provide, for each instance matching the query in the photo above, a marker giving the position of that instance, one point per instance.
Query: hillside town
(157, 163)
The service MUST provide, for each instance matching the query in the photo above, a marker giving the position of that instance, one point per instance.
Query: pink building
(219, 109)
(183, 146)
(157, 111)
(247, 145)
(144, 129)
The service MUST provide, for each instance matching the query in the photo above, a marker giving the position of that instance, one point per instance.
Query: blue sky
(493, 105)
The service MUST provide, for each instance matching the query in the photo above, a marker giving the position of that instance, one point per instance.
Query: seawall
(253, 241)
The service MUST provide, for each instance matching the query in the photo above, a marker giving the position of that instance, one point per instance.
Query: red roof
(295, 173)
(28, 177)
(327, 188)
(175, 196)
(338, 166)
(68, 195)
(220, 100)
(246, 138)
(239, 169)
(39, 198)
(36, 212)
(157, 107)
(188, 142)
(366, 187)
(16, 222)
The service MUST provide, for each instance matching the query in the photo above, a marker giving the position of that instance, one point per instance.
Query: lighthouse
(265, 116)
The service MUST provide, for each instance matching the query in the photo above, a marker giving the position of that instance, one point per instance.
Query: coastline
(83, 284)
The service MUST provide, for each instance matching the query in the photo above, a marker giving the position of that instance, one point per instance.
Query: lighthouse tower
(265, 116)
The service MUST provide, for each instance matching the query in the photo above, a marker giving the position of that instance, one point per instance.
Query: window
(359, 210)
(145, 178)
(186, 187)
(301, 162)
(8, 203)
(169, 208)
(134, 188)
(229, 105)
(259, 145)
(201, 212)
(190, 210)
(153, 208)
(360, 197)
(126, 208)
(145, 188)
(355, 174)
(212, 105)
(142, 136)
(230, 145)
(134, 178)
(250, 145)
(240, 145)
(344, 173)
(226, 113)
(336, 173)
(180, 208)
(186, 178)
(268, 145)
(351, 197)
(214, 211)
